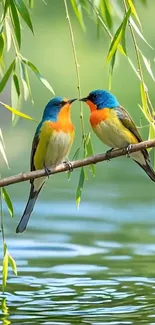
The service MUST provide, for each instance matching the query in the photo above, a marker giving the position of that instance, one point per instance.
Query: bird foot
(128, 148)
(108, 153)
(69, 165)
(47, 171)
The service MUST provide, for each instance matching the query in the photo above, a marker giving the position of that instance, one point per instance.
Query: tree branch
(77, 163)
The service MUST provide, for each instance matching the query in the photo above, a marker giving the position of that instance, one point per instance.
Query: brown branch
(77, 163)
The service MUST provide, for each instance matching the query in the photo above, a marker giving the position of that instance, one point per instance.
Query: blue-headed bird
(114, 126)
(51, 145)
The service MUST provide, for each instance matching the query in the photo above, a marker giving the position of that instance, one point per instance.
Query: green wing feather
(33, 150)
(128, 123)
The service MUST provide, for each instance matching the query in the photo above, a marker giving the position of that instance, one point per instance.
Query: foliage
(105, 14)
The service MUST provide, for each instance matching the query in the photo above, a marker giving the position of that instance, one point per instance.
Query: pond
(93, 265)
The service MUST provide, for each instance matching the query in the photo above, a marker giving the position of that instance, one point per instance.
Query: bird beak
(84, 99)
(70, 101)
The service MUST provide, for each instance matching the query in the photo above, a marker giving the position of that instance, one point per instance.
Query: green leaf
(143, 97)
(31, 3)
(111, 69)
(151, 134)
(147, 65)
(106, 12)
(12, 263)
(14, 111)
(90, 152)
(146, 114)
(24, 13)
(39, 76)
(6, 76)
(139, 32)
(6, 6)
(125, 21)
(8, 202)
(16, 83)
(118, 36)
(1, 44)
(15, 98)
(15, 22)
(25, 81)
(8, 35)
(78, 11)
(2, 149)
(5, 269)
(80, 187)
(134, 12)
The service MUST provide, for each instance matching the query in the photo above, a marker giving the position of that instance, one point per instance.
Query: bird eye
(94, 96)
(63, 103)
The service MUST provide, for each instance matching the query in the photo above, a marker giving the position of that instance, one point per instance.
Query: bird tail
(29, 208)
(148, 169)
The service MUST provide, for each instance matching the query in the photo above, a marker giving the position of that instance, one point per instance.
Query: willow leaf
(31, 3)
(6, 6)
(111, 69)
(139, 32)
(6, 76)
(118, 36)
(8, 35)
(105, 9)
(151, 135)
(147, 65)
(2, 149)
(5, 270)
(143, 97)
(78, 11)
(12, 263)
(90, 152)
(8, 201)
(16, 83)
(134, 12)
(15, 22)
(80, 187)
(24, 13)
(1, 45)
(14, 111)
(39, 76)
(25, 80)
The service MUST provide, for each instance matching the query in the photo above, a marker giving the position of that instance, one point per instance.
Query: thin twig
(76, 66)
(77, 163)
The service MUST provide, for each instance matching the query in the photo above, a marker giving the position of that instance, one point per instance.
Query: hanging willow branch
(77, 163)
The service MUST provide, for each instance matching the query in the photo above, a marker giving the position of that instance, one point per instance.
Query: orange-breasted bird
(114, 126)
(51, 145)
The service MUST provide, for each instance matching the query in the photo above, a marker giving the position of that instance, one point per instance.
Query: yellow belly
(52, 149)
(114, 134)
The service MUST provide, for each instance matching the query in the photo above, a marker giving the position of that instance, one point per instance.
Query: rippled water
(95, 265)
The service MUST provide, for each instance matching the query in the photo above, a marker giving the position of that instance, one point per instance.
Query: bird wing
(33, 150)
(128, 123)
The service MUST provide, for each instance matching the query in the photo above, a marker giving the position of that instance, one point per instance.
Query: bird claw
(128, 148)
(108, 153)
(47, 170)
(69, 165)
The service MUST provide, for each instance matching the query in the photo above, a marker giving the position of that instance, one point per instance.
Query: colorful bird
(51, 145)
(114, 126)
